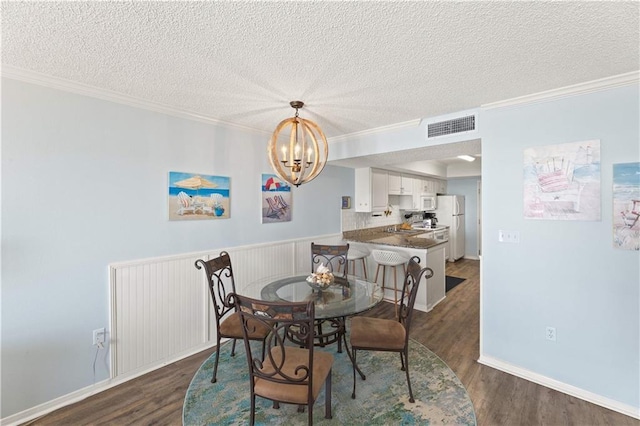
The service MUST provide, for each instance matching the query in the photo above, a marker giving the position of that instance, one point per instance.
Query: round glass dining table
(345, 297)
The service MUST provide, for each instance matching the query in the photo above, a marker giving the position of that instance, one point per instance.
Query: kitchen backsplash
(352, 220)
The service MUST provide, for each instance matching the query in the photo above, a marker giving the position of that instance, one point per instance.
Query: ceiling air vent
(450, 127)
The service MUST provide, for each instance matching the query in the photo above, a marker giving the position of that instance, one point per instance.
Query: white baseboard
(80, 394)
(550, 383)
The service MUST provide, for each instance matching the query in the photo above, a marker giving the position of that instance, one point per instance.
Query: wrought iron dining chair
(378, 334)
(289, 373)
(221, 283)
(332, 256)
(335, 258)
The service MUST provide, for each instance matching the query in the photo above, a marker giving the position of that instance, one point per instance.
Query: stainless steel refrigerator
(450, 212)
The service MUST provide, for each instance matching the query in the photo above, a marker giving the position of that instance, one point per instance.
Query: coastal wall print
(195, 196)
(276, 199)
(626, 206)
(562, 182)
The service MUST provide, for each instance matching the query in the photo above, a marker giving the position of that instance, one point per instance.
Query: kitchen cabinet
(395, 186)
(434, 186)
(406, 185)
(418, 185)
(379, 190)
(371, 191)
(431, 291)
(400, 184)
(429, 186)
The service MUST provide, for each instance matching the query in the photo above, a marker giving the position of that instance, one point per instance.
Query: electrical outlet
(99, 336)
(551, 334)
(509, 236)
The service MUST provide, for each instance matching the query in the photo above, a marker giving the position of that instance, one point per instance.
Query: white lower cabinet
(430, 293)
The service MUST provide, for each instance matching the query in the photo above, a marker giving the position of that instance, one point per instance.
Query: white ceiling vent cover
(450, 127)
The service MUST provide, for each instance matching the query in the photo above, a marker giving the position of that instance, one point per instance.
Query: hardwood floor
(451, 330)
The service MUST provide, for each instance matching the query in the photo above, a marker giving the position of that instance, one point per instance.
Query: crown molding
(58, 83)
(395, 126)
(619, 80)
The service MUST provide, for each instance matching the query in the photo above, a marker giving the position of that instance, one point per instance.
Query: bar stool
(392, 259)
(354, 255)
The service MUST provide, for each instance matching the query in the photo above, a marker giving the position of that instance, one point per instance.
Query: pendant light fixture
(297, 149)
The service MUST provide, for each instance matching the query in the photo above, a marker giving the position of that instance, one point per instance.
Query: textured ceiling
(356, 65)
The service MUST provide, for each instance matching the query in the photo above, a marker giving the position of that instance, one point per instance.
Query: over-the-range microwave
(428, 202)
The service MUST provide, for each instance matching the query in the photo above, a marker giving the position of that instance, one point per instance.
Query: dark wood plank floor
(451, 330)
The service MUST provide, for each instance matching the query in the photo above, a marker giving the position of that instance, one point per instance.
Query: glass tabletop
(344, 298)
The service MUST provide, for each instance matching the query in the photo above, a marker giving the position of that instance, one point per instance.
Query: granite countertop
(379, 235)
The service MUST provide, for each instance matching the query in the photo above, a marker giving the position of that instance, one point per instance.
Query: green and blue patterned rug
(382, 399)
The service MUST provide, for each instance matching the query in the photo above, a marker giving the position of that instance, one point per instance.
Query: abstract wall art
(562, 182)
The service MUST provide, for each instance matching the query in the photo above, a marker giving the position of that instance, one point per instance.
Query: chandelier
(297, 149)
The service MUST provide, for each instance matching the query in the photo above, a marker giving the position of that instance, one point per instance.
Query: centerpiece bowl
(320, 280)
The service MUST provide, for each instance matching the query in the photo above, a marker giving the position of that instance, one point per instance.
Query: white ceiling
(357, 65)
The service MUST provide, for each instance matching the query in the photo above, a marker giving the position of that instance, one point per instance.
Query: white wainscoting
(161, 309)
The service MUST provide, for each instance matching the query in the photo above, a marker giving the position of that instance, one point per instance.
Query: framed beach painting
(276, 199)
(626, 206)
(194, 196)
(562, 182)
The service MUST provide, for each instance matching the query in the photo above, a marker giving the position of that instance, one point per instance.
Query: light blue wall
(469, 188)
(564, 274)
(84, 184)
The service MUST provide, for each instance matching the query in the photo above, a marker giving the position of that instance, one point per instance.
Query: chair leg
(252, 420)
(395, 289)
(377, 270)
(215, 364)
(402, 367)
(327, 397)
(364, 269)
(233, 348)
(406, 355)
(353, 362)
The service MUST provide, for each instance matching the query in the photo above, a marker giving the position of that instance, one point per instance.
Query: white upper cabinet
(379, 190)
(395, 184)
(418, 187)
(406, 185)
(373, 187)
(400, 184)
(371, 190)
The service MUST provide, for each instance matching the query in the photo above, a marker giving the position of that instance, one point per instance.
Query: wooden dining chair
(378, 334)
(289, 373)
(332, 256)
(221, 283)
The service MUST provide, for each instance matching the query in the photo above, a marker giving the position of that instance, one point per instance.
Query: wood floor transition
(451, 330)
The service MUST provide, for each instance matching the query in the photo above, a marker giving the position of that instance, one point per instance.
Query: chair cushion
(231, 327)
(294, 357)
(377, 333)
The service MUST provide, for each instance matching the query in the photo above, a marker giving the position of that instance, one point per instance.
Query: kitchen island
(431, 253)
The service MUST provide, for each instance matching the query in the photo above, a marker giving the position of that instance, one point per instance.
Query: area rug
(451, 282)
(382, 399)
